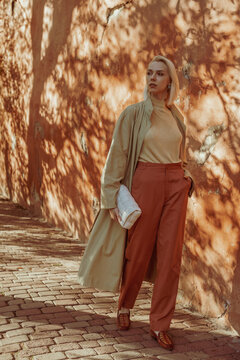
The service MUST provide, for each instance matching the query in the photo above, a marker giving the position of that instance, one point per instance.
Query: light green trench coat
(102, 263)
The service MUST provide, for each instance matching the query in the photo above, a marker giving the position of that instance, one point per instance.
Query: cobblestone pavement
(46, 315)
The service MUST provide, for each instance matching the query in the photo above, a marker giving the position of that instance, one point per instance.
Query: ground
(46, 315)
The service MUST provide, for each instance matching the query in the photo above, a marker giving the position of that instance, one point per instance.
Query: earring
(169, 86)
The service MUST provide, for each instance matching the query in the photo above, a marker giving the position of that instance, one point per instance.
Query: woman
(147, 154)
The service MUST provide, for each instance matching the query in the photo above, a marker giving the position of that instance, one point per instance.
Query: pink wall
(67, 71)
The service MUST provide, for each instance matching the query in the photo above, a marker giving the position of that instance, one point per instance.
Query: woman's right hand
(114, 213)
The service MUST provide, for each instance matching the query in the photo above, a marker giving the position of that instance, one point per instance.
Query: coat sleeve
(116, 163)
(187, 173)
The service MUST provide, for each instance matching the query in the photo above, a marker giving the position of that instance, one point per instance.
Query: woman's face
(157, 78)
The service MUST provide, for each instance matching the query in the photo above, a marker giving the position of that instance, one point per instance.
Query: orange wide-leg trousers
(161, 191)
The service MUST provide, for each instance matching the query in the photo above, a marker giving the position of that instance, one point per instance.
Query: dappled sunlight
(16, 89)
(46, 27)
(69, 69)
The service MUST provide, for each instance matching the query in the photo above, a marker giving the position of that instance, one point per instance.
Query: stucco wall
(68, 68)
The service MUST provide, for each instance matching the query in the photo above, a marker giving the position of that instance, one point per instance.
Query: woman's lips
(152, 85)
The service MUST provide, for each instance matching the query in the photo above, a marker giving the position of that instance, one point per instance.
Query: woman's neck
(157, 100)
(160, 96)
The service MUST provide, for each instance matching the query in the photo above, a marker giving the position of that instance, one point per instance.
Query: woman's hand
(114, 213)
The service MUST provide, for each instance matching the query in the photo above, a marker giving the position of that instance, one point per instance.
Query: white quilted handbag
(129, 210)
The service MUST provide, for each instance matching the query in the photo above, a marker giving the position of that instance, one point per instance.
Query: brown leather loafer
(123, 321)
(163, 339)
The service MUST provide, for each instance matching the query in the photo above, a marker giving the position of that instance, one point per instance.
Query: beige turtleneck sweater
(162, 141)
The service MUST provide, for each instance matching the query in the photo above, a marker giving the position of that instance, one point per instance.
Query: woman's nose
(153, 76)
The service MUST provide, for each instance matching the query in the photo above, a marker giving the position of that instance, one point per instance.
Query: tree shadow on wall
(82, 128)
(80, 76)
(44, 129)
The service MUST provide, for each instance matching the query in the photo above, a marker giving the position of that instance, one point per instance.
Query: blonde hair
(174, 89)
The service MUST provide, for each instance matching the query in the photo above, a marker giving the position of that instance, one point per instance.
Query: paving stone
(226, 357)
(45, 334)
(81, 307)
(18, 319)
(110, 327)
(75, 354)
(4, 328)
(46, 292)
(72, 332)
(7, 315)
(172, 356)
(31, 352)
(102, 357)
(77, 324)
(89, 344)
(64, 347)
(38, 343)
(235, 340)
(236, 346)
(15, 292)
(130, 338)
(44, 298)
(49, 327)
(107, 341)
(65, 302)
(128, 346)
(68, 339)
(40, 317)
(16, 302)
(3, 321)
(32, 305)
(28, 312)
(9, 308)
(6, 357)
(99, 322)
(92, 336)
(199, 336)
(149, 343)
(22, 331)
(33, 323)
(136, 331)
(10, 348)
(14, 340)
(83, 318)
(107, 349)
(55, 356)
(152, 351)
(197, 345)
(61, 320)
(95, 329)
(220, 350)
(198, 355)
(53, 309)
(127, 355)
